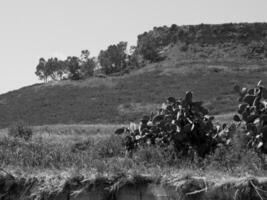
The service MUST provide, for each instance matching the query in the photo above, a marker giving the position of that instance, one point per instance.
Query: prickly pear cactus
(183, 123)
(252, 110)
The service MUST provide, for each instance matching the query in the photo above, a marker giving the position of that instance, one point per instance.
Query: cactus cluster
(252, 111)
(183, 123)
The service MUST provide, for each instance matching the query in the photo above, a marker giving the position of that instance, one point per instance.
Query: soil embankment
(135, 188)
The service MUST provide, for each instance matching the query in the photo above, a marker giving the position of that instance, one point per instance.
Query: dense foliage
(114, 58)
(73, 67)
(181, 123)
(186, 127)
(253, 111)
(110, 61)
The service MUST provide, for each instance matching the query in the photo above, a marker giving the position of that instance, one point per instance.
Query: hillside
(243, 40)
(124, 99)
(208, 66)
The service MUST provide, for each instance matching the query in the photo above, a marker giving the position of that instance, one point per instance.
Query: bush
(20, 130)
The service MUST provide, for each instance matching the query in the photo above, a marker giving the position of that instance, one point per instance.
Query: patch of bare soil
(131, 188)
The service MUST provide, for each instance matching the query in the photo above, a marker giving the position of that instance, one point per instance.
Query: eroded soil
(132, 188)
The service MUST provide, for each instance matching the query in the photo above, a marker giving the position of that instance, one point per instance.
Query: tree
(134, 59)
(87, 64)
(114, 59)
(41, 70)
(51, 69)
(84, 55)
(55, 68)
(149, 46)
(74, 68)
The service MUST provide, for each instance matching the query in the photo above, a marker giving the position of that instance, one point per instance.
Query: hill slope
(123, 99)
(243, 40)
(208, 68)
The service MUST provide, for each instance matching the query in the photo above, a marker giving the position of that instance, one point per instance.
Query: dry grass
(67, 149)
(77, 129)
(59, 147)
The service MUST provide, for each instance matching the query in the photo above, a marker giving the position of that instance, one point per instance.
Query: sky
(31, 29)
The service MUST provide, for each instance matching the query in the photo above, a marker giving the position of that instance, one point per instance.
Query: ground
(79, 161)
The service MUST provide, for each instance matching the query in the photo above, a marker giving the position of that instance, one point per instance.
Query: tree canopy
(74, 68)
(114, 59)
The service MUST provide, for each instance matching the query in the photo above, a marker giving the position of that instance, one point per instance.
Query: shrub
(180, 123)
(20, 130)
(252, 111)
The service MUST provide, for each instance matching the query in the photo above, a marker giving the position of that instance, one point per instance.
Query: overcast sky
(31, 29)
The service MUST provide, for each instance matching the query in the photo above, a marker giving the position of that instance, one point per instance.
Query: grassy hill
(206, 59)
(220, 41)
(126, 98)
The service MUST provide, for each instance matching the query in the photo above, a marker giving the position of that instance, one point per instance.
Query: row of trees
(73, 67)
(151, 47)
(112, 60)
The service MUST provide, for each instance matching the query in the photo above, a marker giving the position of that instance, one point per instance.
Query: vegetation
(124, 99)
(106, 155)
(94, 150)
(20, 130)
(253, 112)
(251, 37)
(114, 58)
(73, 68)
(183, 124)
(244, 40)
(182, 129)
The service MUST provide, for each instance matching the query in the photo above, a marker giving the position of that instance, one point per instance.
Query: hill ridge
(209, 70)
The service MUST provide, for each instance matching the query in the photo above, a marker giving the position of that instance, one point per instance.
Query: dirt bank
(132, 188)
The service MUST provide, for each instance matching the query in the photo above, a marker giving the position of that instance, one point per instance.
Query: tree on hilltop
(73, 66)
(41, 70)
(114, 59)
(87, 64)
(53, 69)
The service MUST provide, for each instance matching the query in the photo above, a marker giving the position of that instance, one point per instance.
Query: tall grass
(106, 155)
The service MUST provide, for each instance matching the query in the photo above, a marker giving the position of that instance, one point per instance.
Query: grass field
(94, 149)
